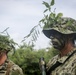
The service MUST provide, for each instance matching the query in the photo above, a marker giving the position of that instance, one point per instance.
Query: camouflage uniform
(10, 68)
(68, 68)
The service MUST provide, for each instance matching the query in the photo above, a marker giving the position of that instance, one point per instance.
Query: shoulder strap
(53, 67)
(58, 64)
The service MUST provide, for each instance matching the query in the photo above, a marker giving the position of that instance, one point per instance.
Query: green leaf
(52, 3)
(45, 10)
(46, 4)
(42, 20)
(52, 15)
(60, 15)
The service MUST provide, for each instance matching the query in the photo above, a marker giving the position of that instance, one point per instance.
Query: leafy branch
(49, 20)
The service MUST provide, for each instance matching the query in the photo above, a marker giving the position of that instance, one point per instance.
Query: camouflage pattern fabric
(10, 68)
(68, 68)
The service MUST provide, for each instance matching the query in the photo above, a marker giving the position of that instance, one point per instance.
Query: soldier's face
(3, 57)
(56, 42)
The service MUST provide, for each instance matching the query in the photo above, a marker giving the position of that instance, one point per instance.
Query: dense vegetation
(28, 58)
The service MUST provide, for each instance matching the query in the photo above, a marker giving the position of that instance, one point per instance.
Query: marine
(7, 67)
(64, 40)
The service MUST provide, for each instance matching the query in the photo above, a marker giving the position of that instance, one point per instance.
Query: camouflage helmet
(6, 44)
(64, 26)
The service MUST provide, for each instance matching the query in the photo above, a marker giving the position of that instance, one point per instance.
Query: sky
(22, 15)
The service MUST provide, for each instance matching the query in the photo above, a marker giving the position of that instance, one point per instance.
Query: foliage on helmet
(6, 43)
(63, 24)
(57, 21)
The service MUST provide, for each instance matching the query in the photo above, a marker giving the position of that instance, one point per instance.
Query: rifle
(42, 66)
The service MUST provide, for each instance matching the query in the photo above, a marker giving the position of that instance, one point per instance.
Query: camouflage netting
(6, 43)
(64, 24)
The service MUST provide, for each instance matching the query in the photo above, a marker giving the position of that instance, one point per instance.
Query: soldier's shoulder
(14, 69)
(51, 62)
(54, 58)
